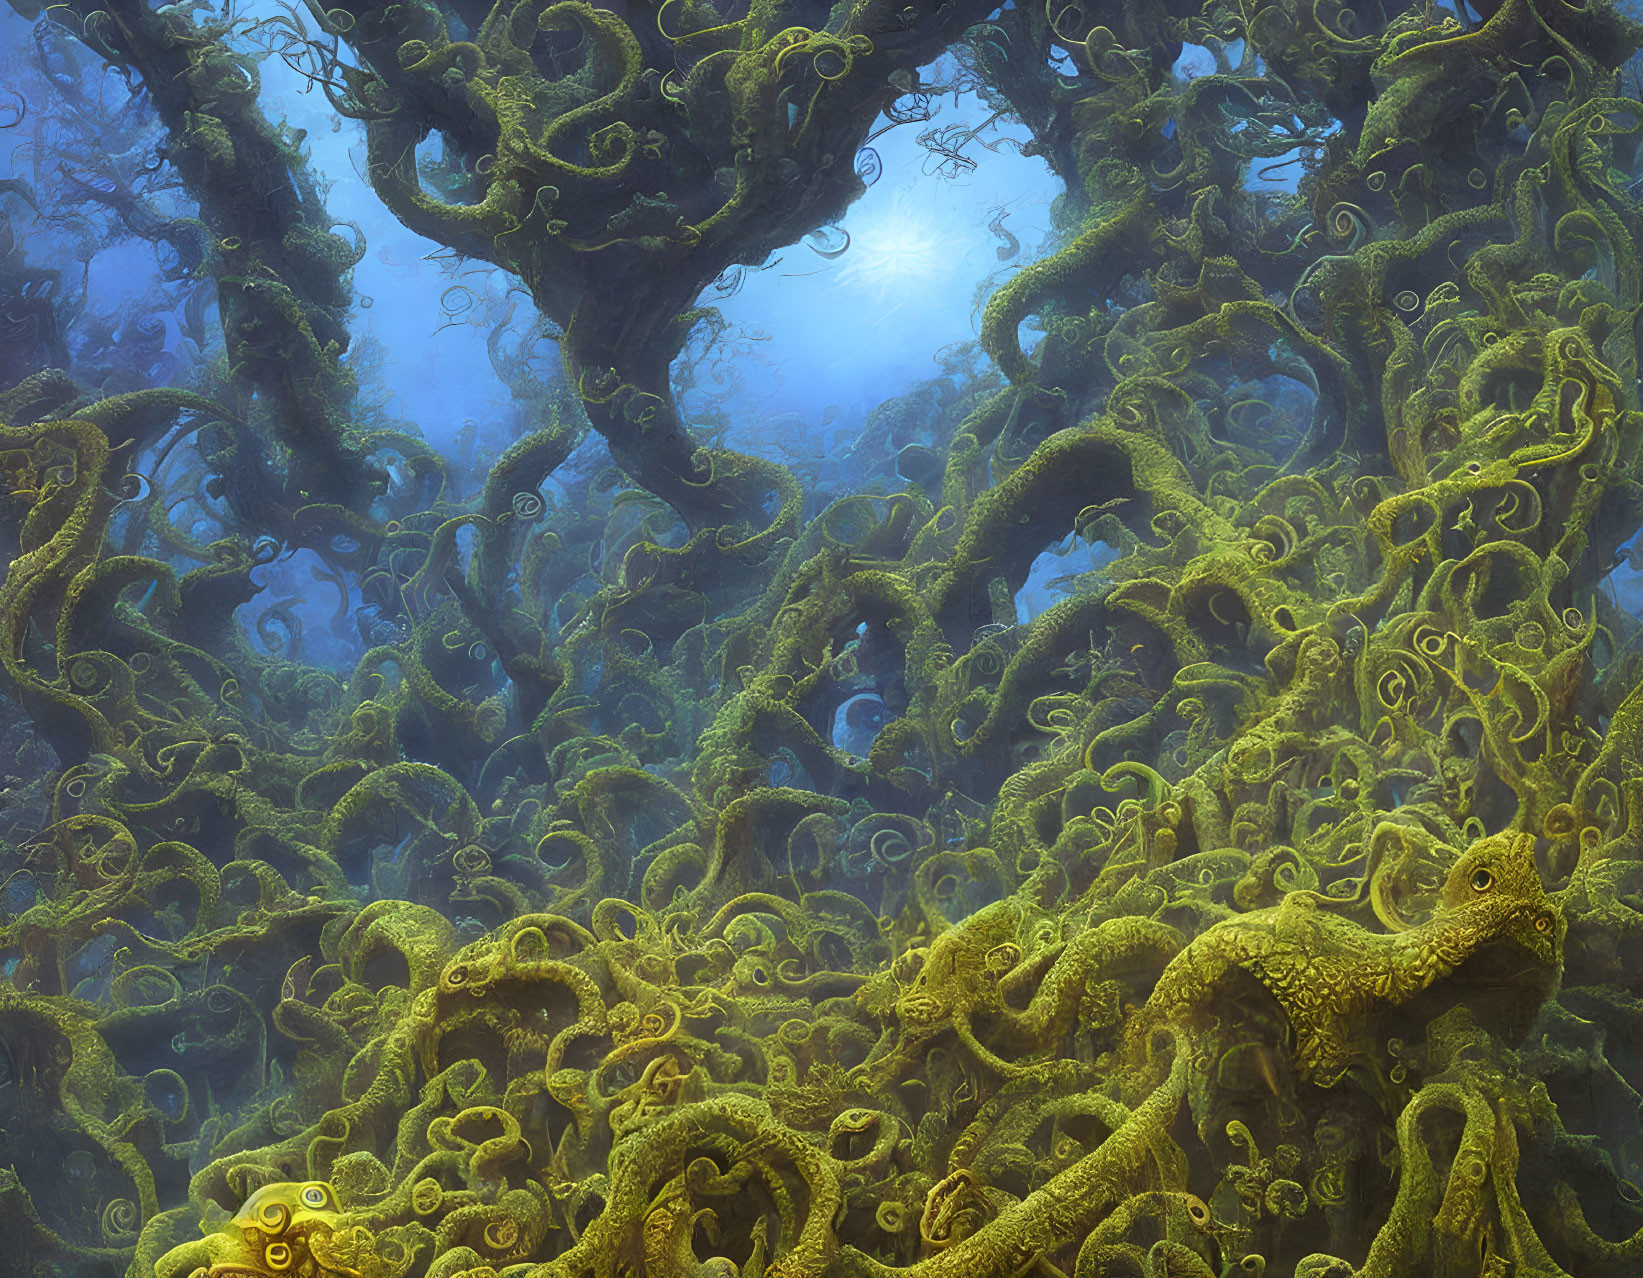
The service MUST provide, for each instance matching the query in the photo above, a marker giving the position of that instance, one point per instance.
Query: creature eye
(1482, 880)
(313, 1196)
(1198, 1211)
(1544, 923)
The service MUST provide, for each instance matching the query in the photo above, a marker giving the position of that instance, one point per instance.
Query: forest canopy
(638, 850)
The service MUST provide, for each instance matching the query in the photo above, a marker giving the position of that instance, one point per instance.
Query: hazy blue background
(848, 332)
(815, 344)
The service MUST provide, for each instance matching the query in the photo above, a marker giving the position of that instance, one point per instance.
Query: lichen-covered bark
(785, 905)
